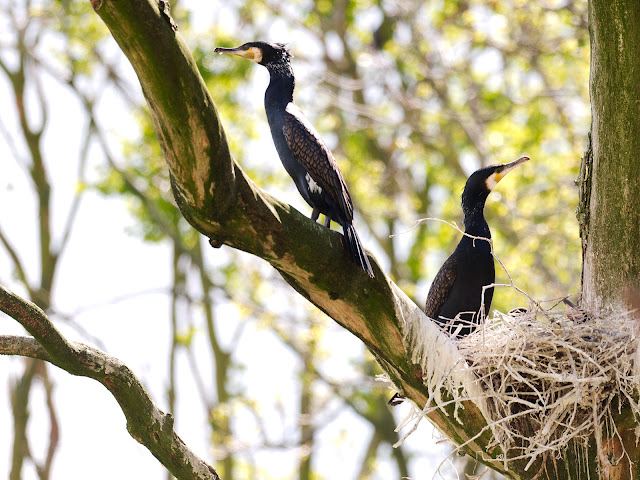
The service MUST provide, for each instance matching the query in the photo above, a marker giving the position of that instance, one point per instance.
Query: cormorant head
(264, 53)
(481, 182)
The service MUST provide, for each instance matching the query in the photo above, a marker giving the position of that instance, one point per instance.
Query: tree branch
(20, 270)
(220, 201)
(23, 346)
(145, 421)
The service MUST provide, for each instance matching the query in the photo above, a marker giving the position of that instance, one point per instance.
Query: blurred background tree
(410, 96)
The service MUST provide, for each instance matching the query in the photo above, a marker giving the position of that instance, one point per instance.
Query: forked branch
(145, 421)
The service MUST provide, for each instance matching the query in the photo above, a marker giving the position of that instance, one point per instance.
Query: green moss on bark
(612, 259)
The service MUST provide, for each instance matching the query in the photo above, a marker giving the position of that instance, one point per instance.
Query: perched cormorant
(457, 288)
(302, 152)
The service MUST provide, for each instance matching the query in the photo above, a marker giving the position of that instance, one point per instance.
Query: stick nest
(553, 377)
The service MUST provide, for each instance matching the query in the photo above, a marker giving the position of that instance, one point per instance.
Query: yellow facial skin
(499, 174)
(257, 54)
(252, 53)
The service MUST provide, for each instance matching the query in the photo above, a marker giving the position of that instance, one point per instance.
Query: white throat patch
(491, 182)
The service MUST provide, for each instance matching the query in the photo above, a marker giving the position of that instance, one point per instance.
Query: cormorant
(302, 152)
(457, 288)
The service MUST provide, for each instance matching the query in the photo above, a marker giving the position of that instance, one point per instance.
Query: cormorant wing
(441, 287)
(309, 149)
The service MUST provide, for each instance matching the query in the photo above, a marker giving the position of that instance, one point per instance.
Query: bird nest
(548, 379)
(551, 378)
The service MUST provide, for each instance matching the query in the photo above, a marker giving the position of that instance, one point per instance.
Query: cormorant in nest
(455, 297)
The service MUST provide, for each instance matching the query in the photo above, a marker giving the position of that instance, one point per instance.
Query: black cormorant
(302, 152)
(457, 288)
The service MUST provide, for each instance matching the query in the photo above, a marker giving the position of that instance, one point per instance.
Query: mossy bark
(609, 208)
(611, 230)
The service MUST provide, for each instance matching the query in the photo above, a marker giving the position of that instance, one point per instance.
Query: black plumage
(304, 155)
(455, 296)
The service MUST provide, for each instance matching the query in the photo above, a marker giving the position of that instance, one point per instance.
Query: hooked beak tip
(508, 167)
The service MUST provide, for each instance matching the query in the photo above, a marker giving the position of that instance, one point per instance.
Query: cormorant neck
(280, 69)
(280, 90)
(474, 221)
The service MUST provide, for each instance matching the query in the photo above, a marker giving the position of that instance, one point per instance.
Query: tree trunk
(609, 209)
(611, 181)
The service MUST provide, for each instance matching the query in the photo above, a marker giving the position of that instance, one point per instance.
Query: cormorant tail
(356, 250)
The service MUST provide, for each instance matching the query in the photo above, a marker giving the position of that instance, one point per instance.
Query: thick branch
(184, 114)
(145, 421)
(220, 201)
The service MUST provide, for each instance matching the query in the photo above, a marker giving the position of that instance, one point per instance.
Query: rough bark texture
(609, 207)
(612, 255)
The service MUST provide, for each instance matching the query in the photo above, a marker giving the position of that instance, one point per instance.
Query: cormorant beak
(250, 53)
(502, 170)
